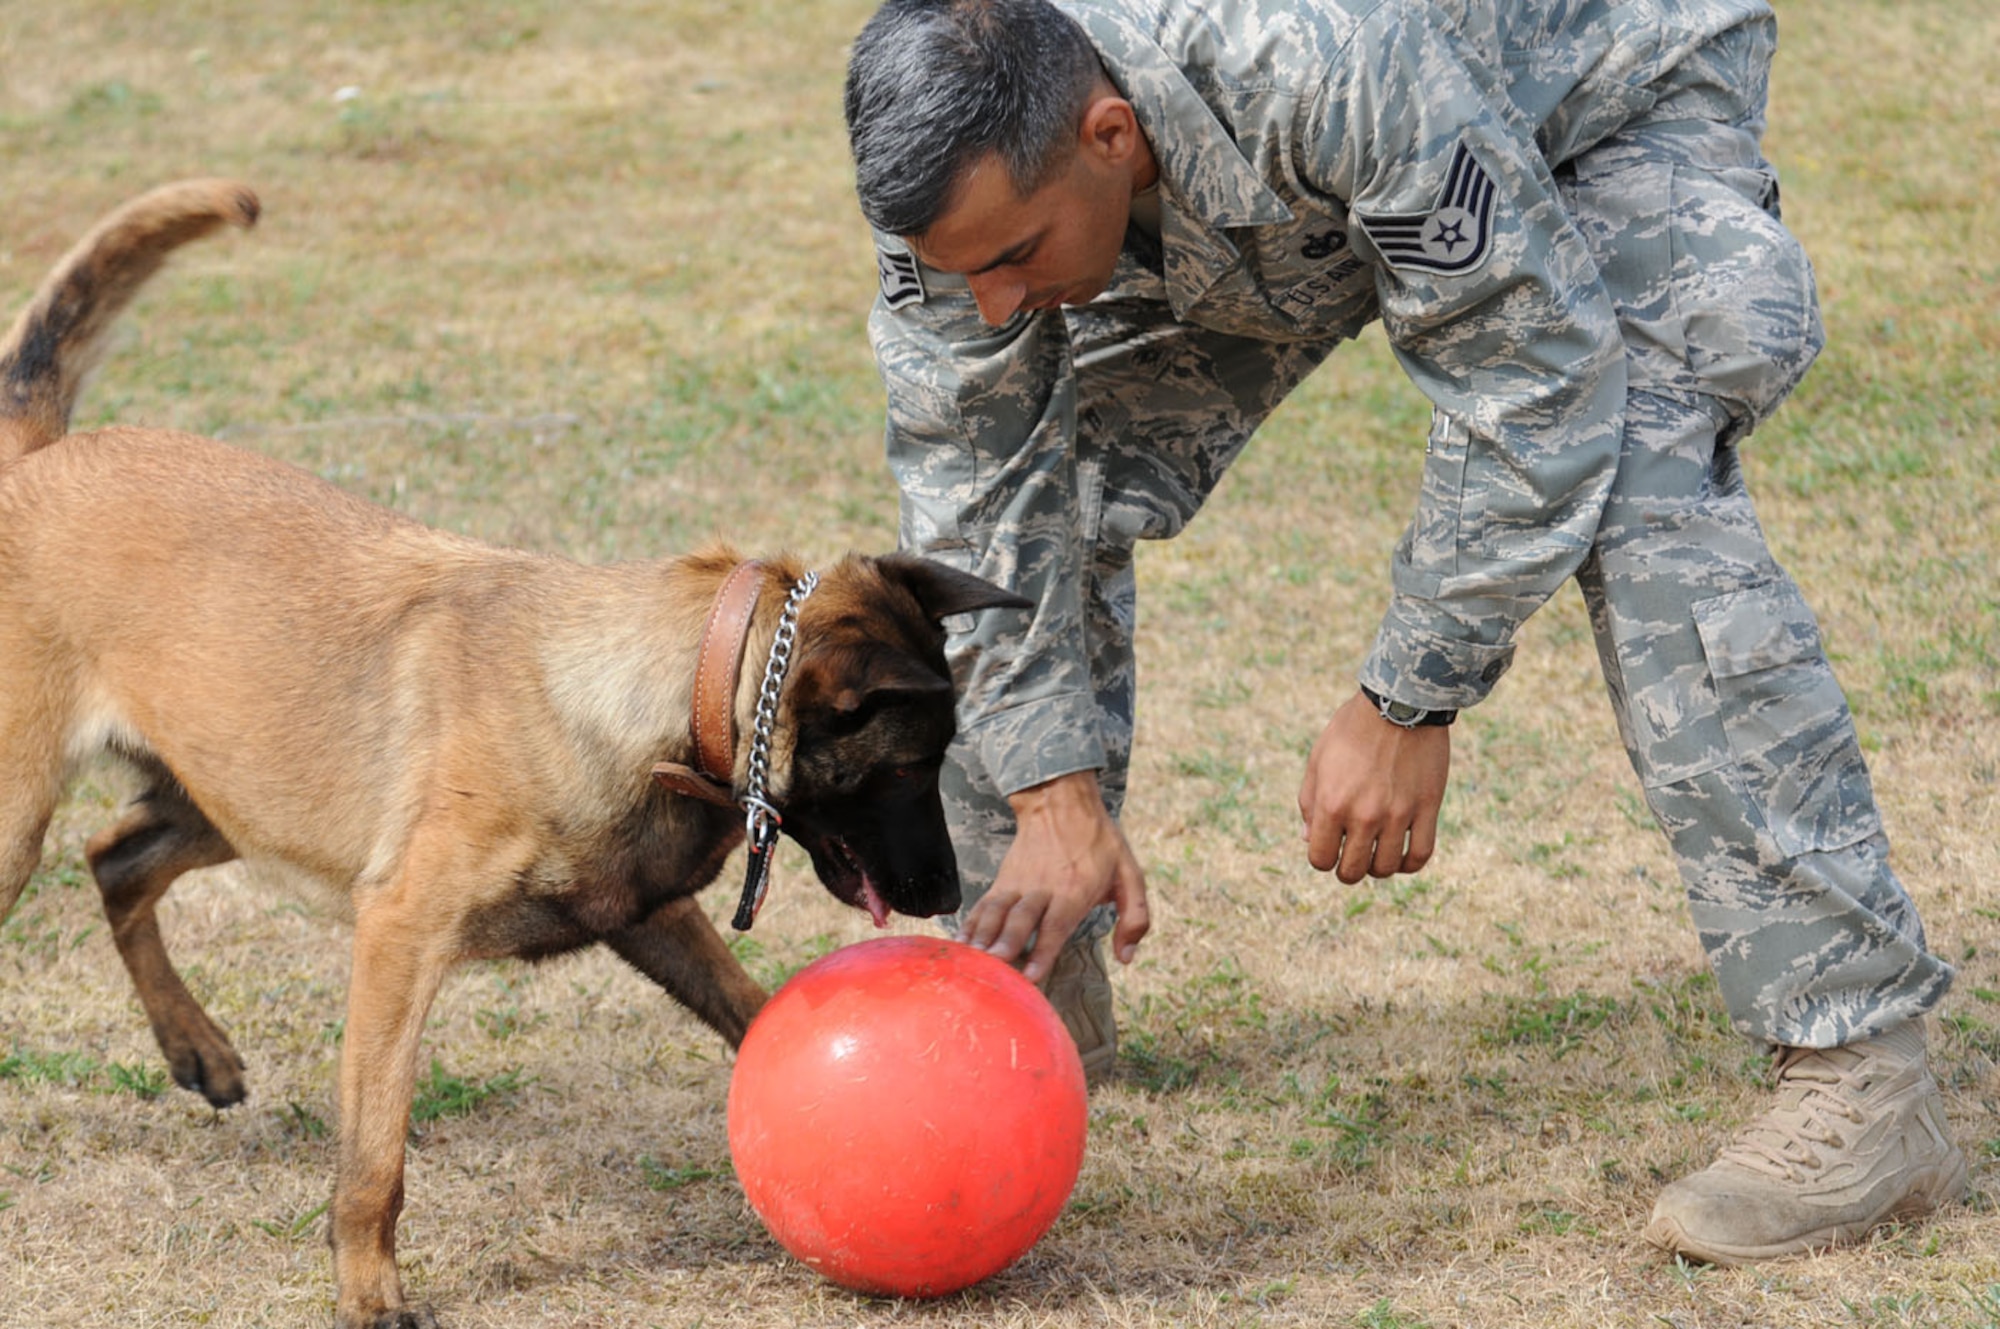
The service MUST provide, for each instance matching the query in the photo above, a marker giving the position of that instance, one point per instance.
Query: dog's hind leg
(678, 948)
(160, 836)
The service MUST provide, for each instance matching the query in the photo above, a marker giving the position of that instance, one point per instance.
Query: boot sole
(1945, 1184)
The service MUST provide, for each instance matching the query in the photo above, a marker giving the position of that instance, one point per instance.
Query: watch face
(1401, 712)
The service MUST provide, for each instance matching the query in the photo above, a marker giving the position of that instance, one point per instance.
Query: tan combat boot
(1857, 1139)
(1080, 989)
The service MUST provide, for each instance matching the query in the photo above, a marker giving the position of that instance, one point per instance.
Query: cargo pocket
(1786, 719)
(1744, 290)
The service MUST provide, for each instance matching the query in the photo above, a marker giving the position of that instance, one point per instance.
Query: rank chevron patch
(902, 279)
(1454, 235)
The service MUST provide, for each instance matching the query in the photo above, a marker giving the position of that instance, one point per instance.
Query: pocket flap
(1760, 628)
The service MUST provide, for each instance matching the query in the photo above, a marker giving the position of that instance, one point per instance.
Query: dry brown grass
(587, 278)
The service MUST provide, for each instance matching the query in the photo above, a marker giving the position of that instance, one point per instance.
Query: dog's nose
(927, 897)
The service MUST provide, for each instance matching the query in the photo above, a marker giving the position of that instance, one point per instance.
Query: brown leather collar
(712, 712)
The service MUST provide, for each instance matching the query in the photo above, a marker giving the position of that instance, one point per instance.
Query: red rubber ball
(907, 1116)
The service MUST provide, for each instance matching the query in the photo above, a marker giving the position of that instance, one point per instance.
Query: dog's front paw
(211, 1069)
(400, 1317)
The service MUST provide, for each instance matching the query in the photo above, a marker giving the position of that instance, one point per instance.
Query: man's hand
(1068, 856)
(1372, 793)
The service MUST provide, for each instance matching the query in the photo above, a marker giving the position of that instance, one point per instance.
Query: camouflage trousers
(1730, 713)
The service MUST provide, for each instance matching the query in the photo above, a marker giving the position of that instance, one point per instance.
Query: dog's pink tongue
(872, 901)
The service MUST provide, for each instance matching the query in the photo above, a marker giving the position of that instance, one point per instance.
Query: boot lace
(1819, 1093)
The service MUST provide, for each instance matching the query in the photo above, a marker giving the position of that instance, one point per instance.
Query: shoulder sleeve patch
(1454, 235)
(902, 279)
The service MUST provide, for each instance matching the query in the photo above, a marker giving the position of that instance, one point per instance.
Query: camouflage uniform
(1561, 214)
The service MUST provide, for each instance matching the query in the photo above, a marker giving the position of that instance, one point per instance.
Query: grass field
(587, 278)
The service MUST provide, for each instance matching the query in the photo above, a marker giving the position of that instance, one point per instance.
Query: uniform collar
(1206, 183)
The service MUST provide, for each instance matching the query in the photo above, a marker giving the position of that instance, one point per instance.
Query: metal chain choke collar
(762, 820)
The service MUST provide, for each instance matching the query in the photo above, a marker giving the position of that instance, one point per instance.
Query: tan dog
(463, 738)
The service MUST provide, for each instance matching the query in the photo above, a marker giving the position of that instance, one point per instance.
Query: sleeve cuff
(1036, 741)
(1429, 669)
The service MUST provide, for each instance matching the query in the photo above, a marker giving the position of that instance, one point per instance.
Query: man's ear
(943, 590)
(1110, 129)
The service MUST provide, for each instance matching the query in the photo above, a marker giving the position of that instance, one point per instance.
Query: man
(1113, 234)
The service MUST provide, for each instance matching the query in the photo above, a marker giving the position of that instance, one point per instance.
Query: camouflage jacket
(1323, 163)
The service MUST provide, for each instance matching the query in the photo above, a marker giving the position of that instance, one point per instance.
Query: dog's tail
(58, 337)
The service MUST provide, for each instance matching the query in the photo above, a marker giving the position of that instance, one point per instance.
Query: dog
(491, 752)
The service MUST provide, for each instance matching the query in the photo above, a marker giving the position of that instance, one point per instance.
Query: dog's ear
(838, 689)
(943, 590)
(884, 676)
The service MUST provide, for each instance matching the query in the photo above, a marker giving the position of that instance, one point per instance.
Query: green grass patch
(441, 1094)
(660, 1177)
(76, 1070)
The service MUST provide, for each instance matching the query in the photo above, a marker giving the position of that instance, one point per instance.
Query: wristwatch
(1402, 714)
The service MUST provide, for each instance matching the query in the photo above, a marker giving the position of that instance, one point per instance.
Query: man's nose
(998, 297)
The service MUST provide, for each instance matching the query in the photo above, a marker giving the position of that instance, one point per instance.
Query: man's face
(1056, 246)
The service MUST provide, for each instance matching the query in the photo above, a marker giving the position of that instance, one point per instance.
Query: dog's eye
(899, 779)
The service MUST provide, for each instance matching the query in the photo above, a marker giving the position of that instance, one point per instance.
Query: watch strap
(1405, 716)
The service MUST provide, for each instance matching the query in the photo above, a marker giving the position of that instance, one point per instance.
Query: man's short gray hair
(934, 85)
